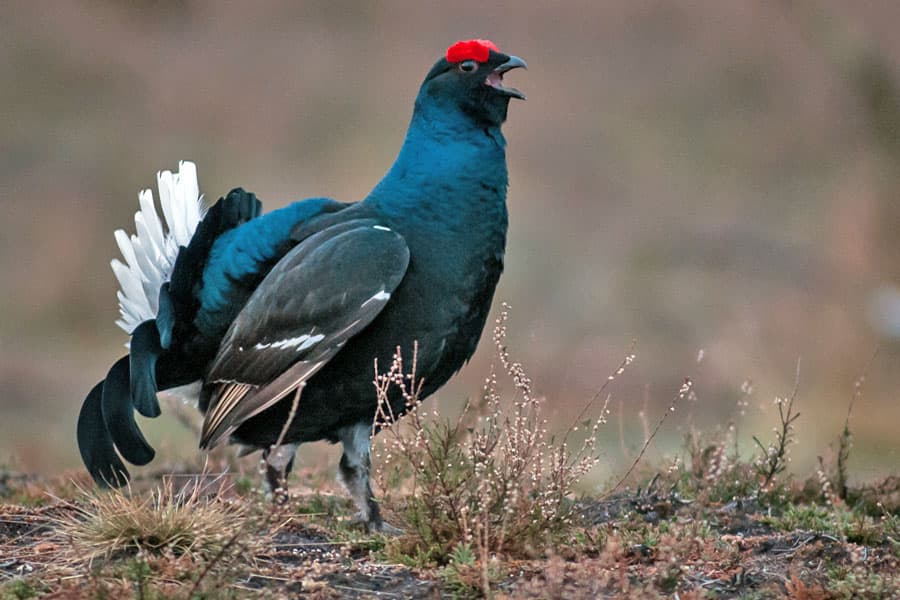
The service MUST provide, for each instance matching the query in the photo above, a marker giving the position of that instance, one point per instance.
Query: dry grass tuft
(195, 521)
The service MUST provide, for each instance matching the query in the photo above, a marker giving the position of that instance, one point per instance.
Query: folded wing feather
(324, 291)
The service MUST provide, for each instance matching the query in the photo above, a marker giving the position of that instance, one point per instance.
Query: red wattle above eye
(477, 50)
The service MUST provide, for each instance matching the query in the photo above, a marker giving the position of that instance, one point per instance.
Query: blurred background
(710, 179)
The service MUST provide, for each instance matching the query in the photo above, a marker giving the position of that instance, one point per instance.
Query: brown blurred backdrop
(715, 176)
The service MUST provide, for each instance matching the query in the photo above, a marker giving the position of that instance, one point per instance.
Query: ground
(657, 540)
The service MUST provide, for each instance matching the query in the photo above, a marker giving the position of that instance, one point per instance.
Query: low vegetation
(196, 521)
(489, 506)
(491, 481)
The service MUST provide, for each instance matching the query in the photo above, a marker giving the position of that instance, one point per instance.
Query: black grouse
(259, 308)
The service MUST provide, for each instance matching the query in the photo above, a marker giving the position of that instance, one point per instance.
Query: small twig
(314, 544)
(629, 358)
(774, 458)
(365, 591)
(844, 442)
(272, 577)
(682, 392)
(282, 474)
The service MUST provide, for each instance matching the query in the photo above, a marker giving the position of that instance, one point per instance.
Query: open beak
(495, 79)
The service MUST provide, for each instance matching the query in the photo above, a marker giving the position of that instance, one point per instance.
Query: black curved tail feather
(165, 317)
(145, 349)
(96, 445)
(118, 415)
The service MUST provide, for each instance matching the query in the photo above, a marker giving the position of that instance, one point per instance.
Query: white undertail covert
(150, 253)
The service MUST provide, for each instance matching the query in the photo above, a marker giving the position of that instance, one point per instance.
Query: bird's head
(469, 79)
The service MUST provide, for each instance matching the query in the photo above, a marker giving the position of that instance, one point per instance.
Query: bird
(280, 316)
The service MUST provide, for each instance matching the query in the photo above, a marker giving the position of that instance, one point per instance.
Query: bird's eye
(467, 66)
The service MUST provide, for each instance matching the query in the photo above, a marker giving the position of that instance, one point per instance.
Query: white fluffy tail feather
(150, 253)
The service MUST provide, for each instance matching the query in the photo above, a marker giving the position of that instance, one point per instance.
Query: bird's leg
(354, 474)
(355, 477)
(279, 460)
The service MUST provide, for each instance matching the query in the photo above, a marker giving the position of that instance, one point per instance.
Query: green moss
(19, 589)
(853, 584)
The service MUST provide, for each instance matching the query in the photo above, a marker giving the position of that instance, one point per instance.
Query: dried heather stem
(685, 389)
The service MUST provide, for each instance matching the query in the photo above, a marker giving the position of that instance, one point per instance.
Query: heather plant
(494, 479)
(773, 458)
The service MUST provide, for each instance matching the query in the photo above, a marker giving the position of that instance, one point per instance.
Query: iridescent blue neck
(446, 158)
